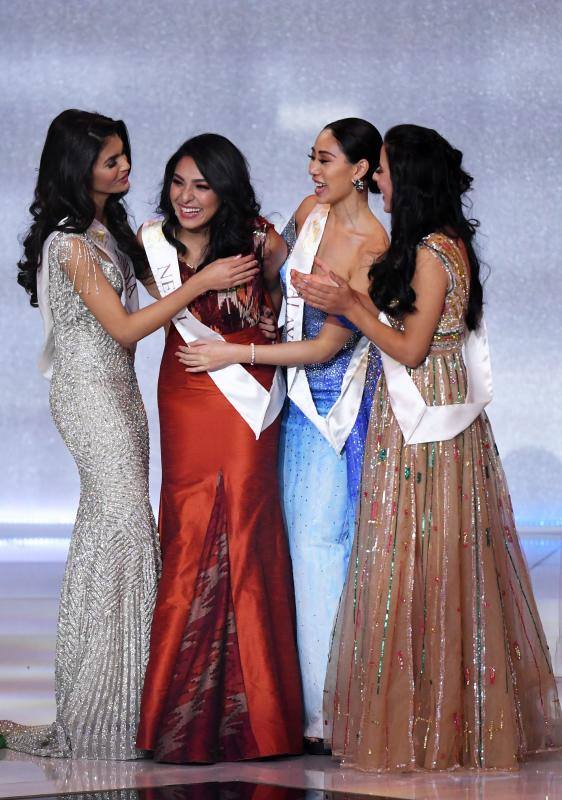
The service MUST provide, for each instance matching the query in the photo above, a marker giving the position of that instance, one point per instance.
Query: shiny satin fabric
(439, 658)
(206, 445)
(257, 406)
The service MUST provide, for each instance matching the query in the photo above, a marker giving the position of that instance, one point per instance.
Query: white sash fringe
(105, 242)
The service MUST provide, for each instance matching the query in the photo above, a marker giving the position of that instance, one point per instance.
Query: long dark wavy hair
(428, 187)
(359, 139)
(73, 143)
(226, 171)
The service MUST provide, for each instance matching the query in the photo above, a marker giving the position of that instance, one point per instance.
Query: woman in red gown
(223, 680)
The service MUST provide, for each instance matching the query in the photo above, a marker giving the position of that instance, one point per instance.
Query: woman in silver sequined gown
(113, 565)
(110, 580)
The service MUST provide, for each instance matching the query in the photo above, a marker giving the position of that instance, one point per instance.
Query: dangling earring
(359, 184)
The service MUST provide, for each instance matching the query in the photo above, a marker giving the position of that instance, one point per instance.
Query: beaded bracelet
(252, 354)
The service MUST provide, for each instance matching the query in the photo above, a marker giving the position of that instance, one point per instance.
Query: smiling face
(332, 173)
(193, 200)
(383, 180)
(110, 173)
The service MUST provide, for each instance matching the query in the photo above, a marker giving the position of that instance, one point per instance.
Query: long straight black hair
(74, 141)
(226, 171)
(428, 187)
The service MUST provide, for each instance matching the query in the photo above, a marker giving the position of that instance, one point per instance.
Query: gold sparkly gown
(439, 658)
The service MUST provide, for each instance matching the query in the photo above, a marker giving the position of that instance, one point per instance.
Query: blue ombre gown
(319, 493)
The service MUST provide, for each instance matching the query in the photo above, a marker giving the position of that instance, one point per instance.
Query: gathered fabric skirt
(223, 679)
(439, 658)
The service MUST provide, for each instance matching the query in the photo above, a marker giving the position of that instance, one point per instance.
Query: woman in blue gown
(332, 371)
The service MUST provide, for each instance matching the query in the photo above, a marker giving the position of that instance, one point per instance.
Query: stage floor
(27, 776)
(30, 575)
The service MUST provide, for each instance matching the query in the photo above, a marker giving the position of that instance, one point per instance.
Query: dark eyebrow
(326, 153)
(114, 155)
(194, 180)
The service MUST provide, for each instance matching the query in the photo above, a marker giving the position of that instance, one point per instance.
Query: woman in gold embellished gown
(439, 659)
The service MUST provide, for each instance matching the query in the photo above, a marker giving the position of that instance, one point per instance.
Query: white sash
(105, 242)
(338, 422)
(421, 423)
(258, 407)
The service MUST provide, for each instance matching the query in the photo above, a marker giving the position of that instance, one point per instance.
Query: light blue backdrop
(269, 75)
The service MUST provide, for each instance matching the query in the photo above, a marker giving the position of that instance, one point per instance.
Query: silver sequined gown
(113, 563)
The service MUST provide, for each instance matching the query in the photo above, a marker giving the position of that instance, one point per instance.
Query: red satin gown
(223, 679)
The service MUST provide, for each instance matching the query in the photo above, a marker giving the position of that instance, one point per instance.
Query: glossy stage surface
(24, 776)
(31, 568)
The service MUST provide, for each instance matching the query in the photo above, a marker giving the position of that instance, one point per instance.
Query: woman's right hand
(225, 273)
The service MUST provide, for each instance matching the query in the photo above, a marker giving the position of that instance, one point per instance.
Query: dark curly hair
(226, 171)
(73, 143)
(359, 139)
(428, 185)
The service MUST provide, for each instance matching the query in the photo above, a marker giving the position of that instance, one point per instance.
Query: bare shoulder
(373, 244)
(304, 209)
(430, 269)
(379, 237)
(273, 239)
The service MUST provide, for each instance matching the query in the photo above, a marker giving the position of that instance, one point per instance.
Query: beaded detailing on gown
(319, 490)
(109, 585)
(439, 658)
(230, 310)
(235, 309)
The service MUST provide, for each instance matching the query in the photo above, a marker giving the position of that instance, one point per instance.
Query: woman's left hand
(205, 355)
(335, 298)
